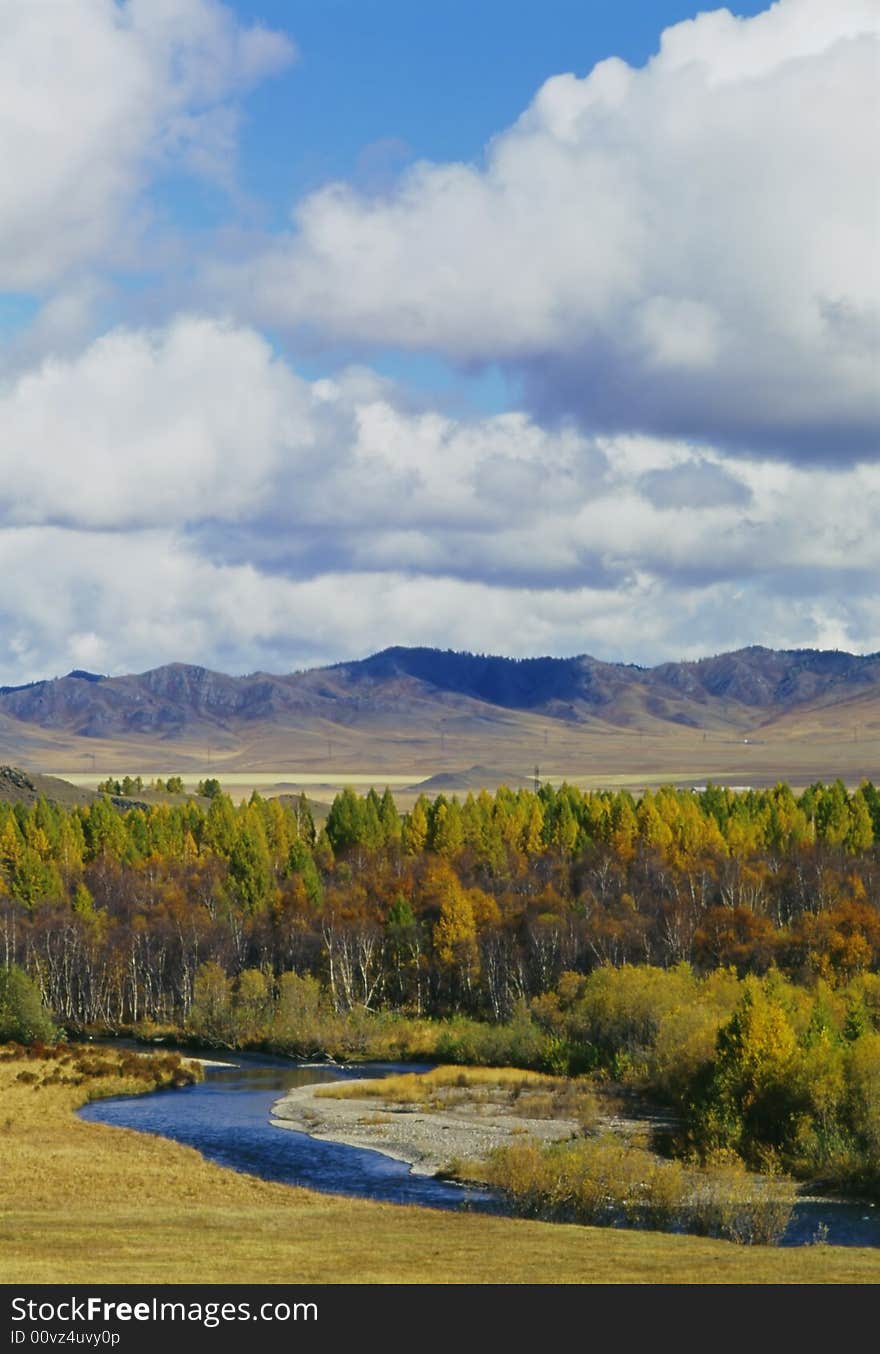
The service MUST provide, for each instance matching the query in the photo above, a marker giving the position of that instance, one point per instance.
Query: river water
(227, 1118)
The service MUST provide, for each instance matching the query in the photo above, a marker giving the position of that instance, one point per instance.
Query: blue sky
(440, 77)
(526, 328)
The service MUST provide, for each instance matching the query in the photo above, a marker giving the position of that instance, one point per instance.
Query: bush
(598, 1181)
(729, 1203)
(604, 1182)
(23, 1017)
(519, 1043)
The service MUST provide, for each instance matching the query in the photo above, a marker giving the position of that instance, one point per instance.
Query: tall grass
(360, 1036)
(529, 1095)
(605, 1182)
(81, 1065)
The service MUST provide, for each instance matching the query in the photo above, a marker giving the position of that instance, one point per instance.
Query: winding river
(227, 1118)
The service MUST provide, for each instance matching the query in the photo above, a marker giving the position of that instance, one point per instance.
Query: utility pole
(537, 779)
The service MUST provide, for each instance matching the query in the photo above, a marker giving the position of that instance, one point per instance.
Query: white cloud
(127, 603)
(181, 493)
(688, 248)
(98, 96)
(145, 428)
(679, 262)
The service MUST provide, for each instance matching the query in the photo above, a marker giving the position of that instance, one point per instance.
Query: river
(227, 1118)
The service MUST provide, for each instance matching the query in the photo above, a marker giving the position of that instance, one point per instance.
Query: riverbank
(83, 1203)
(561, 1150)
(431, 1141)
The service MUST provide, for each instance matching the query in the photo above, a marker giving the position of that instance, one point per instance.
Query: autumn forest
(717, 949)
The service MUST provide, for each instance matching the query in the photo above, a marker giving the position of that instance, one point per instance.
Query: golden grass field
(511, 1090)
(418, 1088)
(799, 747)
(86, 1203)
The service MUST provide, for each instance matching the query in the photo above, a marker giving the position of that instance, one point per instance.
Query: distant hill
(26, 787)
(724, 690)
(569, 687)
(474, 778)
(430, 711)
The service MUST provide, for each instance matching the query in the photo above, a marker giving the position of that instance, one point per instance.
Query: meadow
(84, 1203)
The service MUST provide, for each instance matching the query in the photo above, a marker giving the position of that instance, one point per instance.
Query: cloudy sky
(333, 324)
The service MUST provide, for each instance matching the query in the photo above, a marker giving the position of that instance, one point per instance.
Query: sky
(534, 328)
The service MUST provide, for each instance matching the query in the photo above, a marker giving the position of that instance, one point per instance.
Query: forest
(719, 950)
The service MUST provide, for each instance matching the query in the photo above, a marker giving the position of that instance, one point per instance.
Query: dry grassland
(86, 1203)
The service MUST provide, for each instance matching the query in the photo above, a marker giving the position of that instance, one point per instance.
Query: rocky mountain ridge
(727, 690)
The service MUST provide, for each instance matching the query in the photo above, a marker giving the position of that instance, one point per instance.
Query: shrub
(597, 1181)
(729, 1203)
(605, 1182)
(23, 1017)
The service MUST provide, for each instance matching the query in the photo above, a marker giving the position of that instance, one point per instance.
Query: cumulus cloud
(127, 603)
(181, 493)
(98, 97)
(686, 249)
(148, 428)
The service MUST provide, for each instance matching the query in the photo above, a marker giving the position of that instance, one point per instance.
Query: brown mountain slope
(750, 716)
(724, 692)
(26, 787)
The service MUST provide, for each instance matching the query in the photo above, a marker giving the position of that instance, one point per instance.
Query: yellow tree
(455, 931)
(625, 827)
(653, 829)
(448, 833)
(415, 828)
(531, 837)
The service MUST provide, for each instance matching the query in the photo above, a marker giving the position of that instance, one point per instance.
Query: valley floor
(87, 1204)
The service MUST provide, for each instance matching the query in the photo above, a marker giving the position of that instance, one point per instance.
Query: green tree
(403, 936)
(832, 814)
(860, 833)
(447, 829)
(390, 819)
(301, 862)
(105, 830)
(300, 1013)
(220, 826)
(345, 826)
(250, 1006)
(33, 879)
(305, 821)
(372, 833)
(250, 868)
(210, 1015)
(747, 1098)
(565, 826)
(23, 1017)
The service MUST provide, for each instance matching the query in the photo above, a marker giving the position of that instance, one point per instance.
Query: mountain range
(421, 707)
